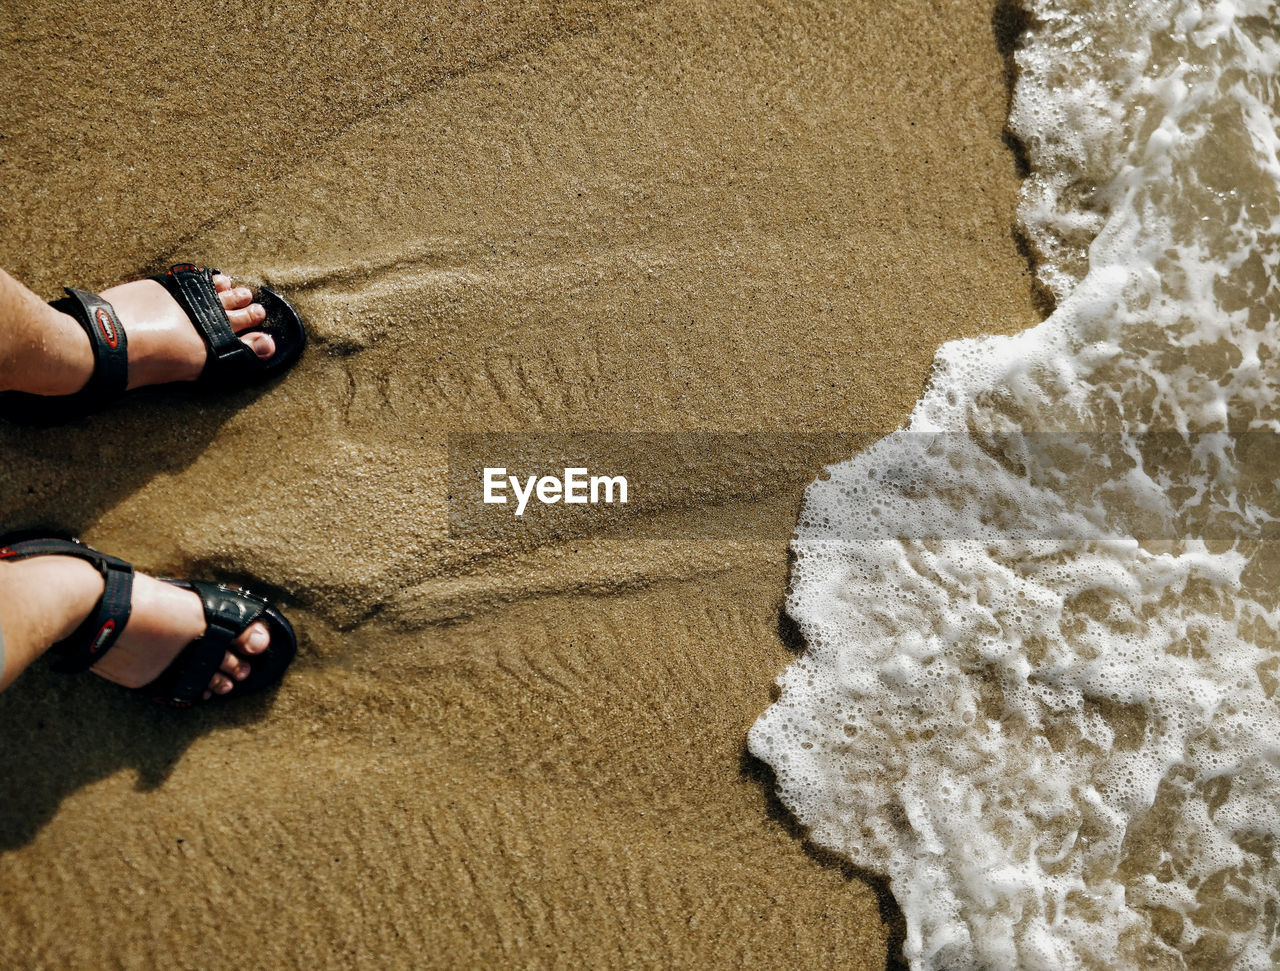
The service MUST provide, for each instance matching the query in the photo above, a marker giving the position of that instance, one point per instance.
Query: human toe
(261, 344)
(243, 313)
(254, 639)
(247, 317)
(235, 666)
(220, 684)
(234, 298)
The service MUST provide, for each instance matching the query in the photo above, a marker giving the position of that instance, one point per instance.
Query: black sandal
(230, 362)
(227, 610)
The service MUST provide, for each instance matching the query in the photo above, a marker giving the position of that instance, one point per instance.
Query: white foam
(1041, 621)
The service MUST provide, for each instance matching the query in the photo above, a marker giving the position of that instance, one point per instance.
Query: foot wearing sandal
(179, 643)
(188, 324)
(163, 620)
(163, 344)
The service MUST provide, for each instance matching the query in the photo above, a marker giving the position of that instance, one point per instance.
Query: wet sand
(722, 217)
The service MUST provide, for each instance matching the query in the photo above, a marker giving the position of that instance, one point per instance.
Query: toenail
(242, 672)
(258, 638)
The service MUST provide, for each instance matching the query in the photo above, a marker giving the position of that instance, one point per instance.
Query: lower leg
(42, 601)
(42, 350)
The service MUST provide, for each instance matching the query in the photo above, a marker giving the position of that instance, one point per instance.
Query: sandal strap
(106, 337)
(100, 630)
(227, 612)
(230, 358)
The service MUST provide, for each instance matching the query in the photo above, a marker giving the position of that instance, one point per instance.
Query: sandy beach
(525, 749)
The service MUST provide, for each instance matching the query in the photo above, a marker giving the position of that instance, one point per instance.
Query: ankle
(43, 600)
(69, 588)
(49, 354)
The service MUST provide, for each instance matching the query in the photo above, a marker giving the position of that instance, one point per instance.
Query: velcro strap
(100, 630)
(192, 286)
(106, 337)
(227, 613)
(24, 549)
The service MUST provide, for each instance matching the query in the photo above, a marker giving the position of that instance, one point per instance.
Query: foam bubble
(1039, 686)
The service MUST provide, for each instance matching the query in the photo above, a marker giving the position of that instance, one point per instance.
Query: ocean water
(1039, 687)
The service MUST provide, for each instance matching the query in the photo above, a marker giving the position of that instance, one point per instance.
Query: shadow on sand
(64, 733)
(64, 474)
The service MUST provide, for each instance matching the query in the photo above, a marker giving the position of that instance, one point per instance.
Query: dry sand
(525, 748)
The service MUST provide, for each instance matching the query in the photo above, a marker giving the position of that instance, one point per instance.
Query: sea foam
(1039, 683)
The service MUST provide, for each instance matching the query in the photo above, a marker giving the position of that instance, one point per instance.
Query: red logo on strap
(108, 329)
(6, 552)
(103, 633)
